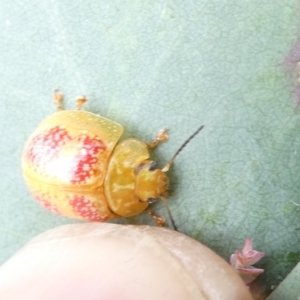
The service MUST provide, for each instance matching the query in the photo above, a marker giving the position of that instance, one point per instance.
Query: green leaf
(176, 64)
(289, 287)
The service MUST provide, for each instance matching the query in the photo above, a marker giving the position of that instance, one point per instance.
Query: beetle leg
(58, 99)
(160, 221)
(80, 101)
(161, 137)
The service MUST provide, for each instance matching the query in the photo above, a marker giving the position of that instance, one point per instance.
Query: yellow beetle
(74, 167)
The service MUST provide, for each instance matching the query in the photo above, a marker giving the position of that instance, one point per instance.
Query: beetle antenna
(169, 164)
(165, 202)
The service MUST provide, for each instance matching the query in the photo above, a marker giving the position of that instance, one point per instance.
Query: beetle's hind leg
(58, 99)
(162, 136)
(160, 221)
(80, 100)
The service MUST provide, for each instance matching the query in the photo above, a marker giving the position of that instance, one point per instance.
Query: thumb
(107, 261)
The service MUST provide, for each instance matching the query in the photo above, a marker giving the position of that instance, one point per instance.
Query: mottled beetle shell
(65, 162)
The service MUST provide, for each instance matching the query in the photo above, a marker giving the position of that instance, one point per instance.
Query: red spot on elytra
(86, 209)
(86, 159)
(46, 145)
(55, 153)
(46, 204)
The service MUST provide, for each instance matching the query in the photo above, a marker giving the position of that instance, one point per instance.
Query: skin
(107, 261)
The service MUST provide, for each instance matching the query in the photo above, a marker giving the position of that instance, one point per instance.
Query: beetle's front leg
(162, 136)
(160, 221)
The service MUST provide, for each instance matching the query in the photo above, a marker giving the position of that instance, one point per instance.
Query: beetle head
(151, 182)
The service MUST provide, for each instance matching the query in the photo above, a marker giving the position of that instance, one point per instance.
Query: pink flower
(242, 261)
